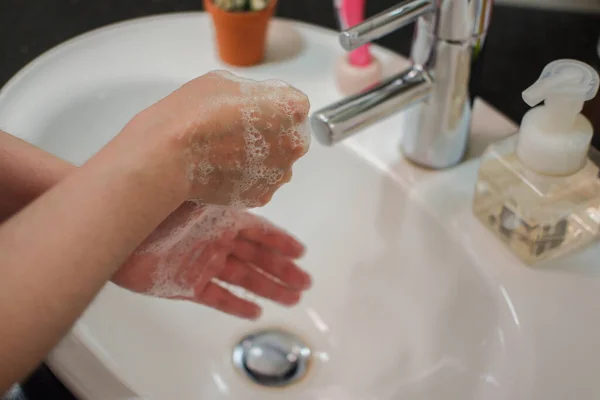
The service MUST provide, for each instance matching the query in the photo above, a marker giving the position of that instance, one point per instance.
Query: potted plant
(240, 28)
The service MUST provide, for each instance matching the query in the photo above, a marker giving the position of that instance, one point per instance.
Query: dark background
(520, 43)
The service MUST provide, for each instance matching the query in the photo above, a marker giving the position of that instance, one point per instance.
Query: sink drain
(272, 358)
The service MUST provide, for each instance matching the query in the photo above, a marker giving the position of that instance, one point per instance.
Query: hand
(197, 246)
(236, 139)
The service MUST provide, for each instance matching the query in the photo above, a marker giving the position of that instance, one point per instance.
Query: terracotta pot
(241, 36)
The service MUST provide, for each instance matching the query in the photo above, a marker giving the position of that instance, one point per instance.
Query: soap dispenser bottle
(539, 191)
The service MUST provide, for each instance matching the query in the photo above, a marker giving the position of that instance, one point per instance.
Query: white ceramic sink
(412, 299)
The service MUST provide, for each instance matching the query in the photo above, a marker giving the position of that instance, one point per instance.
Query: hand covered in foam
(237, 138)
(199, 250)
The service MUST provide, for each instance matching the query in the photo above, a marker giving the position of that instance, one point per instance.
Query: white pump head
(554, 139)
(564, 85)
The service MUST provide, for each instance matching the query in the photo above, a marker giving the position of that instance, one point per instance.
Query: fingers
(297, 102)
(219, 298)
(273, 264)
(275, 239)
(287, 177)
(242, 274)
(302, 107)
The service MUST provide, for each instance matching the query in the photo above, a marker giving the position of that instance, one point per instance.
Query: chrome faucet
(447, 33)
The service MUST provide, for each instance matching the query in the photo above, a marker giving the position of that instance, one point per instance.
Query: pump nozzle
(564, 81)
(554, 139)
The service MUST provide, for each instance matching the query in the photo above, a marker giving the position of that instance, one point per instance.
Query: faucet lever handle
(385, 22)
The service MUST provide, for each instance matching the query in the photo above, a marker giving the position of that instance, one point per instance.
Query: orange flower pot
(241, 36)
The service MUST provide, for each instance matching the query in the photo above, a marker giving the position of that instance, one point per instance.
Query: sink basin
(397, 309)
(412, 298)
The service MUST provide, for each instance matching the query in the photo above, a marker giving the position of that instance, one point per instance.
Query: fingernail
(255, 314)
(307, 281)
(300, 281)
(292, 300)
(300, 249)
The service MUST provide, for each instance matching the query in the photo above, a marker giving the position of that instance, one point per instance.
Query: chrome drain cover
(272, 358)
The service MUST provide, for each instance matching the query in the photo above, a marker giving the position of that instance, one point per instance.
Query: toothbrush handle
(353, 14)
(360, 57)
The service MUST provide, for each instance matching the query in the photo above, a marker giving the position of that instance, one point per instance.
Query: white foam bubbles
(187, 259)
(259, 135)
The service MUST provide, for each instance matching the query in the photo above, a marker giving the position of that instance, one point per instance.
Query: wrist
(158, 152)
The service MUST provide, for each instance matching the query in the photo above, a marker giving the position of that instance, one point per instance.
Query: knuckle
(304, 104)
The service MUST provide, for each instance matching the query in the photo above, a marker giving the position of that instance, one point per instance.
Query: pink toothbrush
(358, 70)
(352, 12)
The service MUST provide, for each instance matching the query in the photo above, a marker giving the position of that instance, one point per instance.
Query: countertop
(520, 43)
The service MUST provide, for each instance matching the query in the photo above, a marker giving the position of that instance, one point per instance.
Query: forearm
(25, 173)
(57, 253)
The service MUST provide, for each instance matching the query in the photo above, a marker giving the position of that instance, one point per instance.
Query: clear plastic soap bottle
(539, 190)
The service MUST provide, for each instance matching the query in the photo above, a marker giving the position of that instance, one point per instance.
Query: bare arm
(56, 254)
(25, 173)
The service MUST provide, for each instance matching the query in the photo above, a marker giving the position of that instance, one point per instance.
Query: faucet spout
(341, 119)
